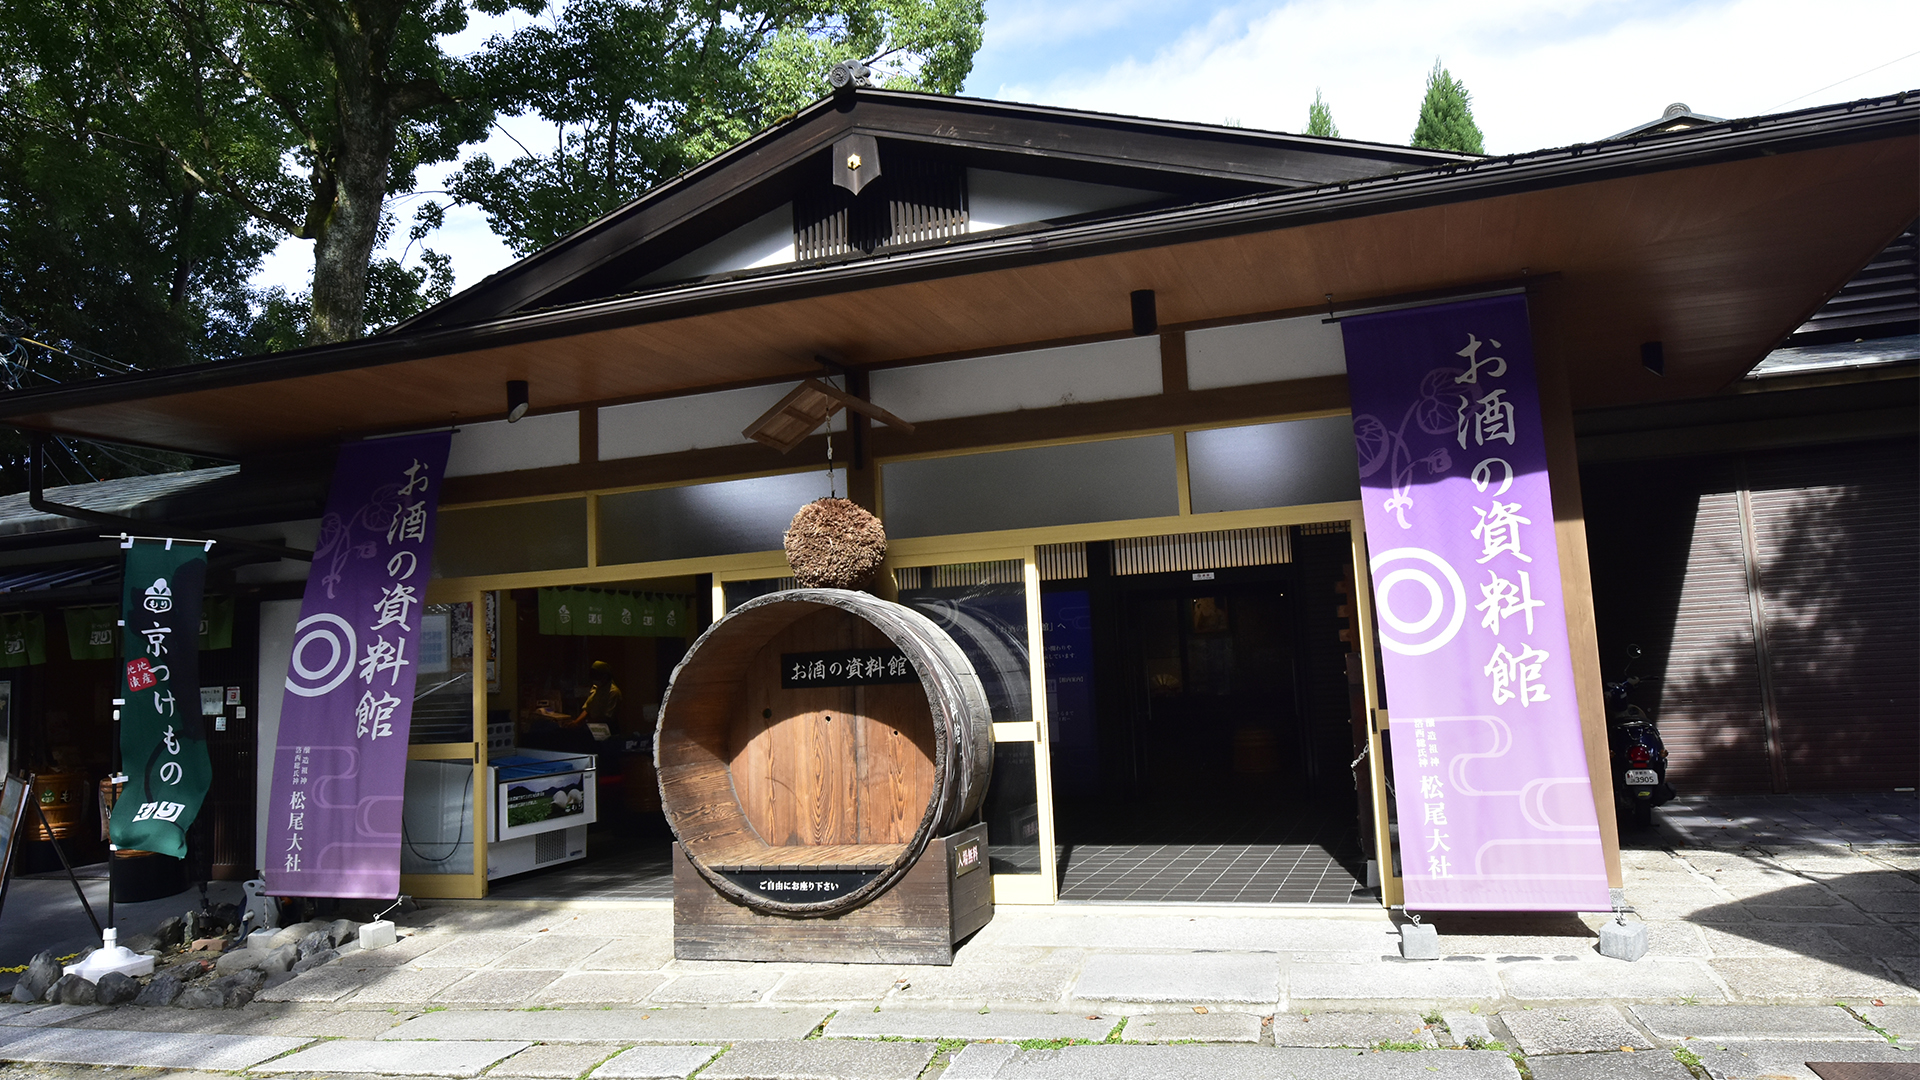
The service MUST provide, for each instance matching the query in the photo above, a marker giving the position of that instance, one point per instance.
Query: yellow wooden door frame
(1010, 888)
(473, 885)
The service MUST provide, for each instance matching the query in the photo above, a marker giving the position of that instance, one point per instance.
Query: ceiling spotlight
(516, 399)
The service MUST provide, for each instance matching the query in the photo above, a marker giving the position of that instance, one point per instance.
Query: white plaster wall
(1264, 352)
(996, 200)
(277, 618)
(694, 422)
(534, 442)
(1101, 371)
(765, 241)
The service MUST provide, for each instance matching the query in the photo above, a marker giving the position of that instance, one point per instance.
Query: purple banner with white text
(339, 771)
(1495, 806)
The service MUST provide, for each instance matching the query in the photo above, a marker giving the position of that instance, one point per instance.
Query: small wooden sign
(845, 667)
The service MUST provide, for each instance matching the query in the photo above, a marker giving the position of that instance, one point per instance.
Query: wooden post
(1576, 583)
(862, 478)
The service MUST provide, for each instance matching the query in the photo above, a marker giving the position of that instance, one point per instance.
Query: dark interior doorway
(1200, 732)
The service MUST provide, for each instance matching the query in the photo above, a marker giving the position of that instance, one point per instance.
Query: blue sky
(1541, 74)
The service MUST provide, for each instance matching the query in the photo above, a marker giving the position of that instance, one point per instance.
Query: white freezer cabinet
(541, 791)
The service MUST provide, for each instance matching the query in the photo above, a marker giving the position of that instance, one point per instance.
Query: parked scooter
(1637, 753)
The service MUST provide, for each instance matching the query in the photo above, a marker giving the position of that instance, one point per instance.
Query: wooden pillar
(1576, 583)
(863, 480)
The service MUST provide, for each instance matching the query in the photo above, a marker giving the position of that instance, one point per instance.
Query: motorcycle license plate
(1642, 777)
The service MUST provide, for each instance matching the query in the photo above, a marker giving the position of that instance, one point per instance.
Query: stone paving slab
(404, 985)
(600, 988)
(1350, 1029)
(719, 989)
(613, 1025)
(1213, 1026)
(1371, 933)
(47, 1015)
(967, 1024)
(654, 1063)
(207, 1021)
(1753, 1022)
(631, 954)
(1780, 1060)
(1131, 1062)
(821, 1059)
(1808, 979)
(469, 950)
(990, 982)
(838, 982)
(552, 951)
(1900, 1021)
(449, 1058)
(1181, 977)
(322, 984)
(1656, 1065)
(351, 1024)
(979, 1061)
(494, 986)
(1463, 1025)
(1642, 980)
(171, 1050)
(555, 1061)
(1395, 983)
(1577, 1029)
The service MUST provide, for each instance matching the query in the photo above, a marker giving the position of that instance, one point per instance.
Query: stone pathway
(1782, 931)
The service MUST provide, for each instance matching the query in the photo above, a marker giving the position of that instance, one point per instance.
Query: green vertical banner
(23, 639)
(163, 744)
(216, 623)
(91, 633)
(676, 617)
(594, 606)
(623, 614)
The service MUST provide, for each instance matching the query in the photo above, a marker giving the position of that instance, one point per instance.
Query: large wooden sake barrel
(812, 742)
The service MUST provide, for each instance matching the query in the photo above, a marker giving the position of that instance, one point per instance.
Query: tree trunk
(182, 252)
(358, 168)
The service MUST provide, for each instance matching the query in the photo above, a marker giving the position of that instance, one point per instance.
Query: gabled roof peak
(1167, 163)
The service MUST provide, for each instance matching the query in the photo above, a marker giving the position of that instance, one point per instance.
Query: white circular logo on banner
(1413, 601)
(335, 636)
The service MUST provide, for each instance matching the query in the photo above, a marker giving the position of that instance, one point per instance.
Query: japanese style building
(1130, 471)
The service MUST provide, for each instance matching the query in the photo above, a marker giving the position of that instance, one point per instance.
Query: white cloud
(1541, 75)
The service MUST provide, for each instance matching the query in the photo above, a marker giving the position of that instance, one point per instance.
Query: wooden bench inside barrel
(809, 773)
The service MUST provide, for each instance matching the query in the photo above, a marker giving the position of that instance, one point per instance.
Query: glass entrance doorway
(583, 673)
(1201, 722)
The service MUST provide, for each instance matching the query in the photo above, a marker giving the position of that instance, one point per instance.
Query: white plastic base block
(378, 934)
(109, 958)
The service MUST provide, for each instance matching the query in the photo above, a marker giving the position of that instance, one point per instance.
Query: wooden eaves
(1717, 241)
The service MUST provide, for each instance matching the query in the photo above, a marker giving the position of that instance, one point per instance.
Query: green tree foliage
(640, 90)
(289, 118)
(1446, 116)
(1320, 118)
(104, 243)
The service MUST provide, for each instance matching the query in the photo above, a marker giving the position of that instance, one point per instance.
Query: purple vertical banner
(339, 772)
(1490, 771)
